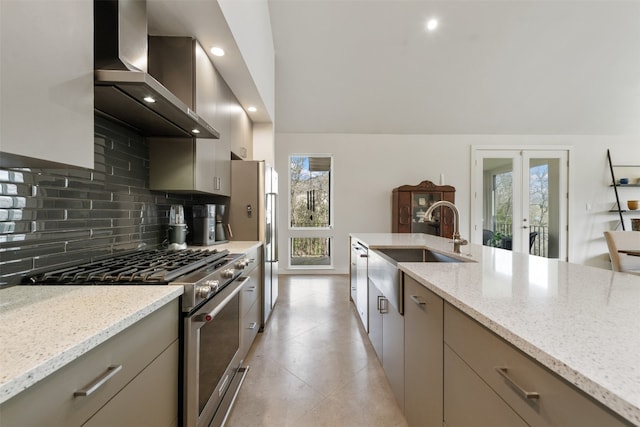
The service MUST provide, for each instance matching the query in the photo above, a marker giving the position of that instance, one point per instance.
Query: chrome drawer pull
(417, 300)
(252, 325)
(524, 393)
(98, 382)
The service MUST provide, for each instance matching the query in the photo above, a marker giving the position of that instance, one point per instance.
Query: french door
(520, 199)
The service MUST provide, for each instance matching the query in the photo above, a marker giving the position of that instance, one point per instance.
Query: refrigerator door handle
(271, 234)
(274, 237)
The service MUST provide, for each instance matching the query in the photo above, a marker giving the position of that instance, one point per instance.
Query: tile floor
(313, 365)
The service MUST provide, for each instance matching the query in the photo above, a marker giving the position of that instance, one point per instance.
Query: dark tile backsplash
(51, 217)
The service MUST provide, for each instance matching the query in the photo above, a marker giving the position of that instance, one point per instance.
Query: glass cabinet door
(420, 202)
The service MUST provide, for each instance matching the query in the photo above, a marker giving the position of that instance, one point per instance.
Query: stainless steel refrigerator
(253, 216)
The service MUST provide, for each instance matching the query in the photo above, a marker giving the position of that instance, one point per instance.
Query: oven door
(211, 355)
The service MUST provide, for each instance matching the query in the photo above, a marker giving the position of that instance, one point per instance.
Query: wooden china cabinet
(410, 202)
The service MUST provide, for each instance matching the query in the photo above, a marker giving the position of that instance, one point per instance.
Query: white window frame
(312, 232)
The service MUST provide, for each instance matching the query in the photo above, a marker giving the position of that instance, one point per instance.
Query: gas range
(202, 272)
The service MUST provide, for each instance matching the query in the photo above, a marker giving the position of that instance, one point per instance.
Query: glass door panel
(499, 180)
(544, 210)
(420, 202)
(520, 200)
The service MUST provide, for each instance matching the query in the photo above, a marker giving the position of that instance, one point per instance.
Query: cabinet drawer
(559, 403)
(468, 401)
(151, 399)
(250, 292)
(254, 258)
(133, 349)
(250, 325)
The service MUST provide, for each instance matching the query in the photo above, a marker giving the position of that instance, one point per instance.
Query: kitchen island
(579, 322)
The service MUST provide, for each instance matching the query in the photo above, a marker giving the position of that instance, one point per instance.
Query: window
(313, 251)
(310, 187)
(310, 210)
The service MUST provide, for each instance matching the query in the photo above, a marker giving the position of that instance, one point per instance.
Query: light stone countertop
(43, 328)
(581, 322)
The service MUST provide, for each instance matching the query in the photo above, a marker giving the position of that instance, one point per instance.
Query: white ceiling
(492, 67)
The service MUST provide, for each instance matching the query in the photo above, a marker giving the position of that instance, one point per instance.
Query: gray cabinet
(194, 164)
(507, 375)
(353, 273)
(212, 99)
(423, 347)
(250, 300)
(46, 107)
(386, 332)
(140, 369)
(359, 281)
(468, 401)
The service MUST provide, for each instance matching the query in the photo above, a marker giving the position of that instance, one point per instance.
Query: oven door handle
(207, 317)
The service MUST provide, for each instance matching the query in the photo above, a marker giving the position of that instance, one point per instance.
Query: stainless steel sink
(417, 255)
(384, 274)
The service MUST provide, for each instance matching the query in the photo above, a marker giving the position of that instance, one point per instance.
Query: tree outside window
(538, 206)
(310, 188)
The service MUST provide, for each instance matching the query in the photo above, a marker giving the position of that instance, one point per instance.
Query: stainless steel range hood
(124, 90)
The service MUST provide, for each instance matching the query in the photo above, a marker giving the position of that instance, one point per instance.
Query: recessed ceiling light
(252, 109)
(217, 51)
(195, 131)
(149, 99)
(432, 24)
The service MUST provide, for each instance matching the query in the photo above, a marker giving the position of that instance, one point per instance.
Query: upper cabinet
(241, 134)
(46, 78)
(195, 165)
(410, 203)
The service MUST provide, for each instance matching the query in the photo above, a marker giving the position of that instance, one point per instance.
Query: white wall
(263, 143)
(250, 24)
(368, 167)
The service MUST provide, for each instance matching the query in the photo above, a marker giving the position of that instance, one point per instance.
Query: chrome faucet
(457, 241)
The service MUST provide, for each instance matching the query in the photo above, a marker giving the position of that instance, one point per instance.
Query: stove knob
(215, 284)
(242, 264)
(228, 274)
(205, 290)
(202, 291)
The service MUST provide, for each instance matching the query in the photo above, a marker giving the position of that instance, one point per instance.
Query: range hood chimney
(124, 90)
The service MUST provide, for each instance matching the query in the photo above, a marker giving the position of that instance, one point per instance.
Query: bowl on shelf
(635, 224)
(624, 181)
(632, 204)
